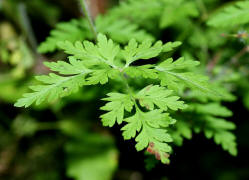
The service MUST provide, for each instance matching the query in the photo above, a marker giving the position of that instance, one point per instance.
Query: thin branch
(27, 29)
(214, 61)
(237, 56)
(86, 12)
(26, 26)
(203, 9)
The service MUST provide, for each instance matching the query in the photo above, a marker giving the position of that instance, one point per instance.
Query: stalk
(87, 13)
(26, 26)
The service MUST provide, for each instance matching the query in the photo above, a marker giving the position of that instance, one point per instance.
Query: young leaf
(150, 127)
(104, 52)
(116, 106)
(56, 86)
(159, 96)
(178, 64)
(171, 77)
(102, 75)
(169, 46)
(145, 71)
(73, 67)
(146, 50)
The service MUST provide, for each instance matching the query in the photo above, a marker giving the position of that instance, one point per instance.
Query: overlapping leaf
(214, 109)
(159, 96)
(117, 105)
(150, 127)
(176, 11)
(231, 15)
(210, 121)
(54, 87)
(145, 50)
(120, 31)
(172, 75)
(181, 130)
(145, 71)
(74, 30)
(220, 129)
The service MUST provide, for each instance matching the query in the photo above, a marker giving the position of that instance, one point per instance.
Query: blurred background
(65, 140)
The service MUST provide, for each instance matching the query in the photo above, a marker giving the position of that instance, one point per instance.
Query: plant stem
(86, 12)
(124, 78)
(203, 9)
(26, 26)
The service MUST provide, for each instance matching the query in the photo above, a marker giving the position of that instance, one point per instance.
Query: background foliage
(65, 137)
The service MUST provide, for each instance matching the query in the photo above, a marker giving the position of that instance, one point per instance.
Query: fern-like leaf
(74, 30)
(159, 96)
(145, 50)
(176, 11)
(145, 71)
(116, 106)
(219, 129)
(150, 127)
(231, 15)
(103, 53)
(54, 87)
(120, 31)
(171, 76)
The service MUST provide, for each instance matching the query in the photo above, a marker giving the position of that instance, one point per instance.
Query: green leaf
(214, 109)
(171, 77)
(159, 96)
(56, 86)
(102, 75)
(146, 50)
(107, 48)
(134, 125)
(104, 52)
(227, 141)
(169, 46)
(219, 130)
(132, 9)
(74, 30)
(145, 71)
(150, 127)
(122, 30)
(119, 103)
(181, 63)
(73, 67)
(177, 11)
(181, 130)
(231, 15)
(78, 30)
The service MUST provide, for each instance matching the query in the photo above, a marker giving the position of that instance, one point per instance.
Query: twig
(86, 12)
(26, 26)
(235, 58)
(203, 9)
(27, 29)
(213, 61)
